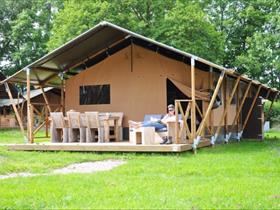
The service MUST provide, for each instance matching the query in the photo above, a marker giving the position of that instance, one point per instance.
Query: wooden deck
(104, 147)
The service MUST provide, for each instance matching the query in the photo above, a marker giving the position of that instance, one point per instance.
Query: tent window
(173, 93)
(94, 94)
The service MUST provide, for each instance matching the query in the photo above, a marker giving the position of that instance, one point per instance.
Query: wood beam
(29, 115)
(211, 88)
(251, 108)
(46, 99)
(19, 119)
(42, 83)
(62, 96)
(270, 107)
(39, 127)
(184, 118)
(237, 106)
(210, 106)
(228, 102)
(237, 116)
(201, 115)
(226, 105)
(176, 123)
(47, 121)
(193, 109)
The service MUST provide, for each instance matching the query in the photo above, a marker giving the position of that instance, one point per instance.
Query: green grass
(242, 175)
(14, 136)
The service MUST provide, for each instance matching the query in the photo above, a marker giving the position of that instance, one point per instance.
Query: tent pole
(176, 122)
(237, 106)
(47, 121)
(225, 84)
(29, 120)
(210, 88)
(193, 108)
(62, 96)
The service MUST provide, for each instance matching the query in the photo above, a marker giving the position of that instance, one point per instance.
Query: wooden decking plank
(104, 147)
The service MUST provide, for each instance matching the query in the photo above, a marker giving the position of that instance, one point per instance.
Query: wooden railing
(185, 115)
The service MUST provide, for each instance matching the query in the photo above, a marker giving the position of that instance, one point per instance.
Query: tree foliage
(25, 28)
(251, 30)
(165, 21)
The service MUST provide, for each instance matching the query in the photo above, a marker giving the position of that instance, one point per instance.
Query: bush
(274, 115)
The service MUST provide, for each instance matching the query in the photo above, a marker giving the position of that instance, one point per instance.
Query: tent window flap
(94, 94)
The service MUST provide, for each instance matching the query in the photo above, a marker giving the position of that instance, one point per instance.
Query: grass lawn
(14, 136)
(234, 176)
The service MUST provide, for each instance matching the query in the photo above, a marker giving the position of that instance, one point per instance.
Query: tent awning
(200, 95)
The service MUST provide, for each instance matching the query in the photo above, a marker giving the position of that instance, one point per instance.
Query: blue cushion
(148, 117)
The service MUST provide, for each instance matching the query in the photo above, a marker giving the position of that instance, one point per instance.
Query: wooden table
(106, 121)
(142, 135)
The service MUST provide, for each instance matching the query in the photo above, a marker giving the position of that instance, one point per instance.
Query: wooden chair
(83, 126)
(93, 128)
(58, 129)
(74, 126)
(119, 125)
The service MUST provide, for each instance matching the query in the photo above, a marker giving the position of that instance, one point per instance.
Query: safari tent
(7, 119)
(7, 115)
(111, 69)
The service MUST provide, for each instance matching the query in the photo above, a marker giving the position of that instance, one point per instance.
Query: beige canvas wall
(137, 91)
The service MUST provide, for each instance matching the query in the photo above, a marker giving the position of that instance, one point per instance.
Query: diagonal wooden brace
(226, 110)
(15, 109)
(210, 106)
(241, 105)
(249, 112)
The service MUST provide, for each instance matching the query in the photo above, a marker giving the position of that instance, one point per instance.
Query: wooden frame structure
(116, 38)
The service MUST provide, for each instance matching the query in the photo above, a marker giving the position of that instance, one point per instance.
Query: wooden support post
(19, 119)
(62, 96)
(211, 88)
(29, 115)
(237, 106)
(228, 102)
(32, 123)
(250, 110)
(176, 123)
(204, 120)
(226, 105)
(47, 121)
(193, 109)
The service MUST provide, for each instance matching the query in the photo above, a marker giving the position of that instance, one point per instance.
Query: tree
(177, 23)
(186, 27)
(26, 28)
(262, 59)
(251, 31)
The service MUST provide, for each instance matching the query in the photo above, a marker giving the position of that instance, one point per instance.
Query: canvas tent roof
(97, 44)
